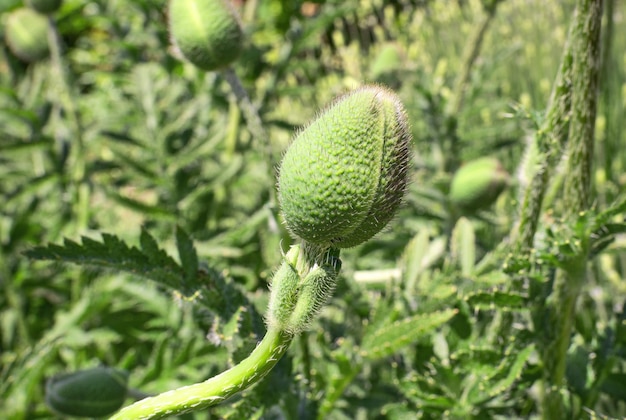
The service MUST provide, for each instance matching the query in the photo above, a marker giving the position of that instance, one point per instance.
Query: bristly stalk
(217, 389)
(550, 140)
(568, 282)
(302, 264)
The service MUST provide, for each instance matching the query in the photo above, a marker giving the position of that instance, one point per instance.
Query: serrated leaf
(426, 392)
(504, 376)
(113, 253)
(603, 236)
(389, 338)
(498, 299)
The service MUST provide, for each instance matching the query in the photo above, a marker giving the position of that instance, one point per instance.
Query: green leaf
(387, 339)
(505, 375)
(615, 386)
(498, 299)
(187, 254)
(462, 246)
(113, 253)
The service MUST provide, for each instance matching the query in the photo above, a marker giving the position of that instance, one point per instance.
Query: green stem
(468, 61)
(472, 52)
(253, 120)
(335, 391)
(217, 389)
(549, 140)
(561, 303)
(302, 265)
(66, 100)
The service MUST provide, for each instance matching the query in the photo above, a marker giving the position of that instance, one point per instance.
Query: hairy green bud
(344, 176)
(477, 184)
(207, 32)
(96, 392)
(26, 34)
(45, 6)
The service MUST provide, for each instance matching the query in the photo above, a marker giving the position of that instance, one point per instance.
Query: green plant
(26, 34)
(95, 392)
(344, 176)
(365, 122)
(477, 184)
(511, 310)
(45, 6)
(207, 32)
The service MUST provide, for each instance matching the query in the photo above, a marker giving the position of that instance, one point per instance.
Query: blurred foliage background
(112, 132)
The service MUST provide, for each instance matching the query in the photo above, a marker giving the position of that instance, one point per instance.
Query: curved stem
(217, 389)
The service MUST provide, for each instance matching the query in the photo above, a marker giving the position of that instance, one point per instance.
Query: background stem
(568, 282)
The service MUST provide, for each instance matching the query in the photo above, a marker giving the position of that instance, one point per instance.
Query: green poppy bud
(207, 32)
(26, 34)
(344, 176)
(45, 6)
(93, 392)
(477, 184)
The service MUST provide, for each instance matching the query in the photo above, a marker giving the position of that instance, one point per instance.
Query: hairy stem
(217, 389)
(288, 288)
(569, 282)
(549, 140)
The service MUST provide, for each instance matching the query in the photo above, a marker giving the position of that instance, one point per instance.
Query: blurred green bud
(45, 6)
(93, 392)
(26, 34)
(344, 176)
(207, 32)
(477, 184)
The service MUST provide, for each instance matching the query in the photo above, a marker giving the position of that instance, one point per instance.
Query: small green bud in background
(207, 32)
(26, 34)
(477, 184)
(93, 392)
(45, 6)
(344, 176)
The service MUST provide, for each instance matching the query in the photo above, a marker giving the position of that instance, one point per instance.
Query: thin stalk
(66, 100)
(253, 121)
(459, 92)
(472, 51)
(610, 100)
(250, 113)
(287, 292)
(568, 283)
(217, 389)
